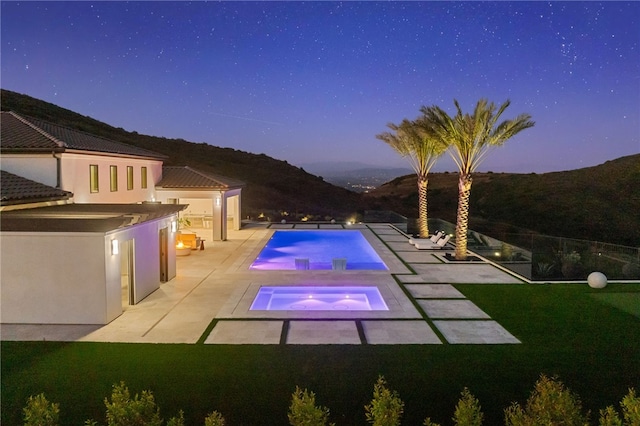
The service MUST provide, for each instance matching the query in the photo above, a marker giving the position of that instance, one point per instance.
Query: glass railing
(547, 258)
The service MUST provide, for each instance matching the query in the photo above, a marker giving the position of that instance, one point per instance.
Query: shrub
(214, 419)
(304, 412)
(609, 417)
(40, 412)
(630, 405)
(550, 403)
(468, 411)
(631, 408)
(123, 411)
(177, 421)
(386, 407)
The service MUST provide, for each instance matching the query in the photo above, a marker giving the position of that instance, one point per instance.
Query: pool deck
(208, 301)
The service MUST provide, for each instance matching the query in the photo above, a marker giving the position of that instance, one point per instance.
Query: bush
(176, 421)
(609, 417)
(631, 408)
(550, 403)
(123, 411)
(214, 419)
(468, 411)
(630, 405)
(304, 412)
(386, 407)
(40, 412)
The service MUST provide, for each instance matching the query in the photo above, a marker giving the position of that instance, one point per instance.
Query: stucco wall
(37, 167)
(146, 248)
(58, 278)
(52, 278)
(75, 178)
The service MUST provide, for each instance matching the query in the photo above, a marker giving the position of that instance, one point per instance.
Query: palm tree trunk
(462, 221)
(423, 226)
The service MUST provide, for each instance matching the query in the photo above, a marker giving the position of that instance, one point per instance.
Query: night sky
(316, 81)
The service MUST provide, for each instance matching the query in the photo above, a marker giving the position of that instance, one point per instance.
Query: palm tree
(416, 143)
(469, 138)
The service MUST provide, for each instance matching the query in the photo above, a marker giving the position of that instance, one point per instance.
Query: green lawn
(593, 347)
(628, 302)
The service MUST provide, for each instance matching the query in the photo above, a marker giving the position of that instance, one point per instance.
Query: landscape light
(114, 247)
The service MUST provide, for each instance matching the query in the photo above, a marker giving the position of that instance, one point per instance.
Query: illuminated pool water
(320, 248)
(314, 298)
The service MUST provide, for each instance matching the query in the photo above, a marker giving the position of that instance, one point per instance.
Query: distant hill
(596, 203)
(273, 186)
(353, 175)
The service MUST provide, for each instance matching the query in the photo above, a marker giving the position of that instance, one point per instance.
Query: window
(114, 178)
(143, 177)
(129, 178)
(93, 178)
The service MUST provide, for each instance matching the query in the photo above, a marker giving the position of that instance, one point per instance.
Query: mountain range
(596, 203)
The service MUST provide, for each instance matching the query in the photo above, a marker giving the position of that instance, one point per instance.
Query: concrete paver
(246, 332)
(399, 333)
(451, 309)
(418, 257)
(395, 238)
(402, 246)
(434, 291)
(412, 279)
(476, 273)
(323, 333)
(475, 332)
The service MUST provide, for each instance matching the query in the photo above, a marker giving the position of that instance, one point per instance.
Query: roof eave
(16, 201)
(31, 150)
(114, 154)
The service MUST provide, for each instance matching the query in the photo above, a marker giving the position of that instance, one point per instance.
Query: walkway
(209, 301)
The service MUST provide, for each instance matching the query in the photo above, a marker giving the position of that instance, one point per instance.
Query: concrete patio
(208, 301)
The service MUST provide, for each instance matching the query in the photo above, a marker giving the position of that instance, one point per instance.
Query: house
(85, 230)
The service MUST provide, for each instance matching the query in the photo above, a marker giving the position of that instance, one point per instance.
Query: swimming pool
(319, 298)
(317, 250)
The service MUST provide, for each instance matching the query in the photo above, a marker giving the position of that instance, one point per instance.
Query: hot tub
(319, 298)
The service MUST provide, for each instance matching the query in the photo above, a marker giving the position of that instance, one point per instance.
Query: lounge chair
(428, 245)
(434, 238)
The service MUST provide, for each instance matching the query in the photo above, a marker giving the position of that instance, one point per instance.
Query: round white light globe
(597, 280)
(283, 221)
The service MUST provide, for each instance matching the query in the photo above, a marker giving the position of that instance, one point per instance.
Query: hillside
(595, 203)
(273, 186)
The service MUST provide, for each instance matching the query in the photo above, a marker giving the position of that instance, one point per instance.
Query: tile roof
(188, 178)
(84, 217)
(18, 190)
(27, 134)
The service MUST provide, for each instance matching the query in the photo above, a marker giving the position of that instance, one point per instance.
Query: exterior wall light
(115, 248)
(174, 226)
(218, 201)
